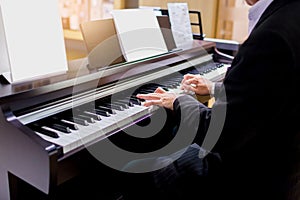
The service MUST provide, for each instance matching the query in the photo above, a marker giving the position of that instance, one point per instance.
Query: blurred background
(221, 19)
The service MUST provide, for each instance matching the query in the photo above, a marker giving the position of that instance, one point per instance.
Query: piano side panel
(24, 157)
(4, 189)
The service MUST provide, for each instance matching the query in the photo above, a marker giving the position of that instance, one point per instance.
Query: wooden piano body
(29, 156)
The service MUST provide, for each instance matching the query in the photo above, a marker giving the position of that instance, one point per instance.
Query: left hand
(160, 97)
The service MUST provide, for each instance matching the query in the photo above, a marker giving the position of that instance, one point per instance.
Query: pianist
(262, 113)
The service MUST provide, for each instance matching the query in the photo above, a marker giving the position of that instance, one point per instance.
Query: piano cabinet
(26, 156)
(29, 157)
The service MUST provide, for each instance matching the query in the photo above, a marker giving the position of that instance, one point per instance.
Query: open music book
(32, 40)
(139, 33)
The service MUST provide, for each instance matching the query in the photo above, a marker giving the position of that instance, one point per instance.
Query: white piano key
(107, 125)
(67, 141)
(217, 74)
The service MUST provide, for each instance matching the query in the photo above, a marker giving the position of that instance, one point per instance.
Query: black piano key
(146, 91)
(107, 109)
(43, 131)
(151, 89)
(88, 115)
(220, 65)
(69, 125)
(134, 97)
(95, 116)
(124, 105)
(114, 106)
(127, 102)
(164, 87)
(60, 127)
(143, 92)
(87, 118)
(102, 112)
(77, 120)
(171, 84)
(136, 100)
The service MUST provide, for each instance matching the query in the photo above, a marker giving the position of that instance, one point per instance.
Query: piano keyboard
(88, 130)
(86, 122)
(216, 73)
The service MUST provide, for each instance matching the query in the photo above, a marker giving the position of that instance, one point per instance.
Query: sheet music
(33, 39)
(180, 21)
(139, 33)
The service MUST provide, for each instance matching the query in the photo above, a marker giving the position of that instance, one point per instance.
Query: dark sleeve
(239, 112)
(192, 117)
(252, 92)
(217, 89)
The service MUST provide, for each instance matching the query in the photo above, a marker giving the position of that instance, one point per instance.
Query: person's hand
(197, 84)
(160, 97)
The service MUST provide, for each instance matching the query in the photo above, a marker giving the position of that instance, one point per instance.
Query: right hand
(197, 84)
(159, 97)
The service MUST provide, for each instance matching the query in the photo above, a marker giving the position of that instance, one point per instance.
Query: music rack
(198, 24)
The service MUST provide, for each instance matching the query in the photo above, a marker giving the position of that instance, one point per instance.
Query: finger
(189, 87)
(151, 103)
(181, 86)
(182, 81)
(185, 86)
(193, 88)
(152, 96)
(159, 90)
(188, 76)
(192, 81)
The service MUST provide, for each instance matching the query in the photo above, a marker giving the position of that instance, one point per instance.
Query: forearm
(192, 117)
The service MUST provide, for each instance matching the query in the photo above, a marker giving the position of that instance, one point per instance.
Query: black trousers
(191, 176)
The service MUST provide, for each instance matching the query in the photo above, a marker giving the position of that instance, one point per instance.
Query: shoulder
(281, 16)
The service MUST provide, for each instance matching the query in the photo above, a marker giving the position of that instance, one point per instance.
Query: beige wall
(208, 9)
(224, 19)
(232, 20)
(119, 4)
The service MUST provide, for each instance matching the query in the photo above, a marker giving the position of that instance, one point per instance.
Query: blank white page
(139, 33)
(34, 38)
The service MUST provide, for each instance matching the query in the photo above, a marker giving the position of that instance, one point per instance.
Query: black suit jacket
(256, 114)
